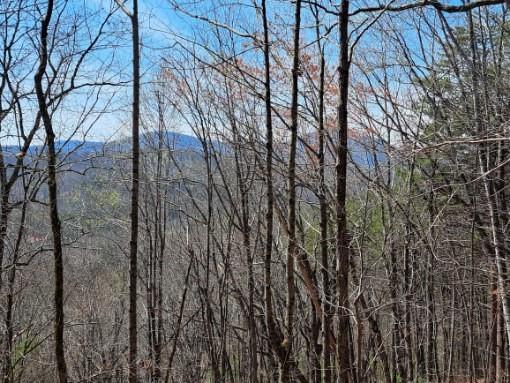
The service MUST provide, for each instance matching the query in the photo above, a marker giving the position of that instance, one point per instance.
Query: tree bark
(53, 198)
(291, 199)
(135, 186)
(342, 245)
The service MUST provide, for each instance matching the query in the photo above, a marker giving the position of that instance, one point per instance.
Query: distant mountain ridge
(176, 141)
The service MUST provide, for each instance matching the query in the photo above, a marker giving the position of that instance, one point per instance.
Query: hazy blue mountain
(78, 148)
(171, 140)
(360, 152)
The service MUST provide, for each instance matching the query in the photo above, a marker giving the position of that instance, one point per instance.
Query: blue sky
(161, 27)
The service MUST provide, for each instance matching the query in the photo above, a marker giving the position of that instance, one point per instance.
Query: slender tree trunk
(252, 329)
(492, 372)
(273, 333)
(53, 202)
(7, 181)
(178, 326)
(314, 349)
(500, 348)
(275, 337)
(135, 186)
(490, 192)
(9, 325)
(323, 208)
(161, 241)
(429, 292)
(4, 217)
(398, 358)
(291, 198)
(408, 267)
(342, 245)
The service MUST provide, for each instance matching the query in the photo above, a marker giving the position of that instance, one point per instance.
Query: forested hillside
(254, 191)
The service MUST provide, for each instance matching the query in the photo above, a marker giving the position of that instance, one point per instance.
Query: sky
(161, 27)
(110, 61)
